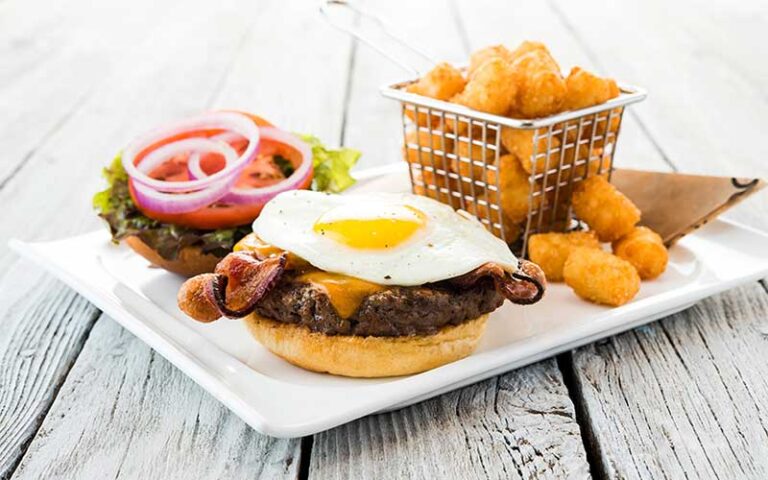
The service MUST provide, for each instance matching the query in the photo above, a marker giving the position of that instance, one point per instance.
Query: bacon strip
(524, 287)
(239, 282)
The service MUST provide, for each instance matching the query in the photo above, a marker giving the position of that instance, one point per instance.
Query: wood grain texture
(372, 122)
(488, 22)
(517, 426)
(67, 104)
(125, 412)
(182, 62)
(685, 397)
(706, 108)
(50, 73)
(36, 353)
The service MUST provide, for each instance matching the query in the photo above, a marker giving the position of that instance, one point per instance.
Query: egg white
(450, 244)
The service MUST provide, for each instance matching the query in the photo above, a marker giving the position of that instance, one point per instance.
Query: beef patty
(397, 311)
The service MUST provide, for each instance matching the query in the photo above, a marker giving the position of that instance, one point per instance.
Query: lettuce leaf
(115, 205)
(331, 166)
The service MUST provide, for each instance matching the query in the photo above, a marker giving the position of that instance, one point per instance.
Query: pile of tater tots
(578, 257)
(525, 83)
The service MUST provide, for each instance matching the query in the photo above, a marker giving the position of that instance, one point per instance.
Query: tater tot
(418, 144)
(542, 88)
(586, 165)
(471, 160)
(515, 187)
(645, 250)
(529, 46)
(585, 89)
(601, 277)
(436, 185)
(481, 209)
(520, 143)
(480, 57)
(606, 210)
(491, 89)
(442, 83)
(551, 250)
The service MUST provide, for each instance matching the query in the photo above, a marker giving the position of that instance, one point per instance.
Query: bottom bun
(191, 261)
(353, 356)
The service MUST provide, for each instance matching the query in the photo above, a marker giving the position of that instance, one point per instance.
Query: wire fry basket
(515, 175)
(458, 156)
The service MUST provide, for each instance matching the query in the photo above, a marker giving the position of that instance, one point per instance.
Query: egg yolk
(360, 226)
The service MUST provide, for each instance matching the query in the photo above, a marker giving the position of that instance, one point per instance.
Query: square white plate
(281, 400)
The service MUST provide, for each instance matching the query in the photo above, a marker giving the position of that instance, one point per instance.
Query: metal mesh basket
(516, 176)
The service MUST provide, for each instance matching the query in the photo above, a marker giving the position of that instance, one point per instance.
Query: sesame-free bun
(191, 261)
(355, 356)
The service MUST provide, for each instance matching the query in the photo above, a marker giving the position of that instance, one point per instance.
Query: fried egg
(384, 238)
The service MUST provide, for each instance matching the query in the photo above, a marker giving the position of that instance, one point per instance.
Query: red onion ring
(240, 196)
(193, 163)
(163, 202)
(247, 196)
(196, 145)
(228, 121)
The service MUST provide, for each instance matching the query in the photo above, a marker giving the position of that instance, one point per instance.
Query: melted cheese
(345, 293)
(252, 243)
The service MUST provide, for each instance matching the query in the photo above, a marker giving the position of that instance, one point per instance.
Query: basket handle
(325, 6)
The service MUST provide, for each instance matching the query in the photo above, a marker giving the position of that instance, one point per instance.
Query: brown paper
(675, 204)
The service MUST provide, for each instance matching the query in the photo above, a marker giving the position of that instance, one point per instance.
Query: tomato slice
(261, 172)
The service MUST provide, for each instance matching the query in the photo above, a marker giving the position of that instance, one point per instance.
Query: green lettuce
(331, 166)
(115, 205)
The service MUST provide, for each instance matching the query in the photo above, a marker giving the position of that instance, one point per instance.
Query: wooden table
(685, 397)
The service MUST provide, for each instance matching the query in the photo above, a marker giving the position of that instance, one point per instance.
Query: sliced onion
(245, 196)
(157, 157)
(240, 196)
(163, 202)
(202, 190)
(193, 163)
(227, 121)
(193, 167)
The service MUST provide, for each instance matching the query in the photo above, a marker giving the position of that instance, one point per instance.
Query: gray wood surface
(184, 60)
(42, 335)
(685, 397)
(517, 426)
(125, 412)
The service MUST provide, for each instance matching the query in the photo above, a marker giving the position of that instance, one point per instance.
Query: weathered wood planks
(125, 412)
(181, 62)
(38, 348)
(684, 397)
(705, 109)
(516, 426)
(660, 400)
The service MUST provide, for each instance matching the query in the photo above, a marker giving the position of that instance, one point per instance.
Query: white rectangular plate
(281, 400)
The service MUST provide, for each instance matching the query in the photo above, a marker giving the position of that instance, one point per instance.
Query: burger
(184, 194)
(364, 285)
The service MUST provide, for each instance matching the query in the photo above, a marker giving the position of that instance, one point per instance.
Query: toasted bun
(190, 262)
(354, 356)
